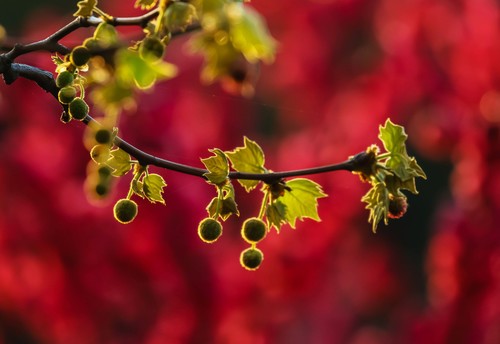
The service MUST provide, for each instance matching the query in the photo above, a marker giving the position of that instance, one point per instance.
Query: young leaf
(85, 8)
(137, 188)
(119, 161)
(145, 4)
(276, 214)
(132, 69)
(403, 166)
(250, 159)
(228, 207)
(217, 166)
(152, 185)
(377, 201)
(106, 34)
(393, 137)
(249, 34)
(179, 15)
(302, 200)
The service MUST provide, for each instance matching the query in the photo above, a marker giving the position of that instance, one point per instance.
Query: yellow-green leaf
(377, 201)
(132, 69)
(179, 15)
(217, 166)
(276, 214)
(119, 161)
(152, 185)
(85, 8)
(249, 33)
(302, 200)
(250, 159)
(106, 34)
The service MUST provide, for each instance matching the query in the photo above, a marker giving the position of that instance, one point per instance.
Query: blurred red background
(70, 274)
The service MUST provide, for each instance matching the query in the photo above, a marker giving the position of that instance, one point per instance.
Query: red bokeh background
(70, 274)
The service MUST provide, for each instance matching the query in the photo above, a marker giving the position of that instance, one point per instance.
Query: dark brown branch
(46, 81)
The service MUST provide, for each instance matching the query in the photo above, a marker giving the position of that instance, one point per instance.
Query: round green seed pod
(66, 94)
(253, 230)
(251, 258)
(102, 189)
(151, 48)
(102, 135)
(209, 230)
(91, 43)
(65, 78)
(78, 109)
(125, 210)
(80, 56)
(104, 172)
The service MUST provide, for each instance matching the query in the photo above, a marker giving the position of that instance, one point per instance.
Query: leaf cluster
(389, 173)
(295, 199)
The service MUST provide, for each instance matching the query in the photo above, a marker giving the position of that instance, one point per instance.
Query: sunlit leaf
(217, 166)
(145, 4)
(250, 159)
(302, 200)
(227, 206)
(179, 15)
(119, 161)
(106, 34)
(132, 69)
(276, 214)
(377, 201)
(113, 97)
(137, 188)
(85, 8)
(393, 137)
(249, 33)
(152, 185)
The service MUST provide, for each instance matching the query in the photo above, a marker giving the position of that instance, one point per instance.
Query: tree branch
(45, 80)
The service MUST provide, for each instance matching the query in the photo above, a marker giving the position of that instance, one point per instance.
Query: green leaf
(85, 8)
(137, 188)
(106, 34)
(227, 204)
(377, 201)
(132, 69)
(119, 161)
(113, 96)
(276, 214)
(249, 159)
(145, 4)
(179, 15)
(217, 166)
(249, 34)
(393, 137)
(153, 185)
(301, 201)
(228, 207)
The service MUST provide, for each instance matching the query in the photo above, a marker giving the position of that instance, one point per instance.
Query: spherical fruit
(102, 136)
(397, 206)
(65, 78)
(79, 56)
(102, 189)
(125, 210)
(66, 94)
(151, 48)
(253, 230)
(104, 172)
(78, 109)
(251, 258)
(91, 43)
(209, 230)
